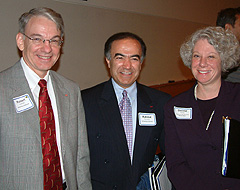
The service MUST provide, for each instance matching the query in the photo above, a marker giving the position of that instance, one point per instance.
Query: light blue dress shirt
(132, 95)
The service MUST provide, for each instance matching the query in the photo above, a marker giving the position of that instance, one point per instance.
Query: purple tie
(126, 113)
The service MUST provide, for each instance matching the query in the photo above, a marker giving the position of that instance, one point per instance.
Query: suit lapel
(110, 111)
(20, 87)
(198, 125)
(142, 133)
(62, 100)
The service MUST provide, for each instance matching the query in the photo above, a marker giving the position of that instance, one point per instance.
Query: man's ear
(228, 27)
(20, 41)
(108, 62)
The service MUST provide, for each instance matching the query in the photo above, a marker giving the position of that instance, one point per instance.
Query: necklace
(212, 114)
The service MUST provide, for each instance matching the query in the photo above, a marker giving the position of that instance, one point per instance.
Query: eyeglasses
(39, 41)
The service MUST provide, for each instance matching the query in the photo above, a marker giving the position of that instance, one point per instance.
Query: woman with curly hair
(193, 119)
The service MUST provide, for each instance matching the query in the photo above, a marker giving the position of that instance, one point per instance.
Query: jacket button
(106, 161)
(156, 139)
(214, 147)
(114, 187)
(98, 136)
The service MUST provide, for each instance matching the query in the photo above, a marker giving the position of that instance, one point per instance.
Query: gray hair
(41, 11)
(224, 42)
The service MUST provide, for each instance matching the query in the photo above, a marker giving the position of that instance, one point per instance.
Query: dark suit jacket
(110, 165)
(194, 154)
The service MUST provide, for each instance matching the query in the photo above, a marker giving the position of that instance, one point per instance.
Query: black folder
(231, 156)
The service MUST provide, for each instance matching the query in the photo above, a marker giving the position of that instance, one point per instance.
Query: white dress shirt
(33, 80)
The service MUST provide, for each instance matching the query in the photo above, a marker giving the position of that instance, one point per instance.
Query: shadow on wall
(186, 72)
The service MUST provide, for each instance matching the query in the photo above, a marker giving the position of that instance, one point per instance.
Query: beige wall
(162, 24)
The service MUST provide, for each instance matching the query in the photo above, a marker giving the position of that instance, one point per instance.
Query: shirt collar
(132, 91)
(31, 76)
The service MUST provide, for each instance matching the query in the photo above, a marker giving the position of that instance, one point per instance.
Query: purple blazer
(194, 154)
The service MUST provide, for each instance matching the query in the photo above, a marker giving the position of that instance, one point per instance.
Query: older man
(43, 138)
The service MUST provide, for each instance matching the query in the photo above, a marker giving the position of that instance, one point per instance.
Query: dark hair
(41, 11)
(120, 36)
(227, 16)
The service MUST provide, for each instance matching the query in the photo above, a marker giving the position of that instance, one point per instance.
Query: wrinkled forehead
(42, 25)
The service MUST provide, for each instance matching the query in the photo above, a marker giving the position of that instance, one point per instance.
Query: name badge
(147, 119)
(23, 103)
(183, 113)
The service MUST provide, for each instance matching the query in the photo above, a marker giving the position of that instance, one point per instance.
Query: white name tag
(23, 103)
(183, 113)
(147, 119)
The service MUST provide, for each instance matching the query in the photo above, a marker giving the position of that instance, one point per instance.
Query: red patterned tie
(51, 160)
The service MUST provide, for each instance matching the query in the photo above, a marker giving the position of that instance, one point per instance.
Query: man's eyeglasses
(39, 41)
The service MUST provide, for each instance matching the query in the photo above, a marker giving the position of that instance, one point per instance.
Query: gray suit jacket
(20, 139)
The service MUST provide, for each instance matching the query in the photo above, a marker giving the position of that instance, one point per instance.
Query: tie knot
(42, 83)
(124, 93)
